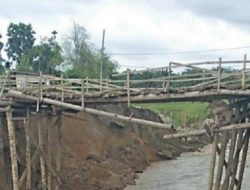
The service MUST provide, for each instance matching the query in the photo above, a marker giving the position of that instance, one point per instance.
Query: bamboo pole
(39, 96)
(49, 151)
(42, 162)
(90, 110)
(230, 161)
(128, 87)
(221, 161)
(28, 150)
(236, 159)
(212, 162)
(43, 155)
(219, 75)
(203, 131)
(62, 85)
(87, 84)
(243, 83)
(243, 160)
(82, 93)
(59, 145)
(33, 159)
(169, 75)
(13, 152)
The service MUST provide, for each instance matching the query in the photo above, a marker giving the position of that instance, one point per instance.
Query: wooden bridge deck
(204, 84)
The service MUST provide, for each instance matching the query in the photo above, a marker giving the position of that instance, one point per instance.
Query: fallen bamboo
(203, 131)
(20, 95)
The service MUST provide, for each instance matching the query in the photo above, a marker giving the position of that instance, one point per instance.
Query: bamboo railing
(205, 77)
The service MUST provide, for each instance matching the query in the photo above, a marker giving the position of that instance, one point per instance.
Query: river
(188, 172)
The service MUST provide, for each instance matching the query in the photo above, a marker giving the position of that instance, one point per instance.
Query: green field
(182, 113)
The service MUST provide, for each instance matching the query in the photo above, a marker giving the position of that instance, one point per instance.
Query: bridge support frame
(38, 142)
(229, 164)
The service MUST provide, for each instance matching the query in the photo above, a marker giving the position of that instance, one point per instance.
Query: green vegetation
(78, 55)
(183, 113)
(82, 58)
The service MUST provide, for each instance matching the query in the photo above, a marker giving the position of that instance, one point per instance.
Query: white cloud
(135, 26)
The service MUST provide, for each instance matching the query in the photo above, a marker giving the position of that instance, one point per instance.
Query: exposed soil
(106, 154)
(100, 153)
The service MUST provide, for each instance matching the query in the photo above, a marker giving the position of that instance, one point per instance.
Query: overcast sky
(143, 26)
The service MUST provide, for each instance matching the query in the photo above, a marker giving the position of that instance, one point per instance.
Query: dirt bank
(99, 153)
(105, 154)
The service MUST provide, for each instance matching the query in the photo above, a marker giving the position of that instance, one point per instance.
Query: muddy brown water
(189, 172)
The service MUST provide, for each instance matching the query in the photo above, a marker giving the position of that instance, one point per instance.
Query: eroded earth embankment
(100, 153)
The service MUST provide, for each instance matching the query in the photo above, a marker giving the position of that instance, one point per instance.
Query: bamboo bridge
(25, 93)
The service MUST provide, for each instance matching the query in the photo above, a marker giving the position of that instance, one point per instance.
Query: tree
(81, 59)
(44, 57)
(20, 41)
(47, 56)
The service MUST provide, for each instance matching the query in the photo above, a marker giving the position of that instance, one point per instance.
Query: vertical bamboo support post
(13, 152)
(236, 160)
(243, 79)
(164, 85)
(212, 162)
(237, 113)
(169, 75)
(230, 160)
(203, 76)
(107, 81)
(62, 86)
(243, 160)
(28, 150)
(128, 87)
(59, 145)
(49, 152)
(221, 161)
(219, 75)
(83, 94)
(39, 98)
(42, 161)
(87, 84)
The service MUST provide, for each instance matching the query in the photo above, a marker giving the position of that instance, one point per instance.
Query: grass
(183, 113)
